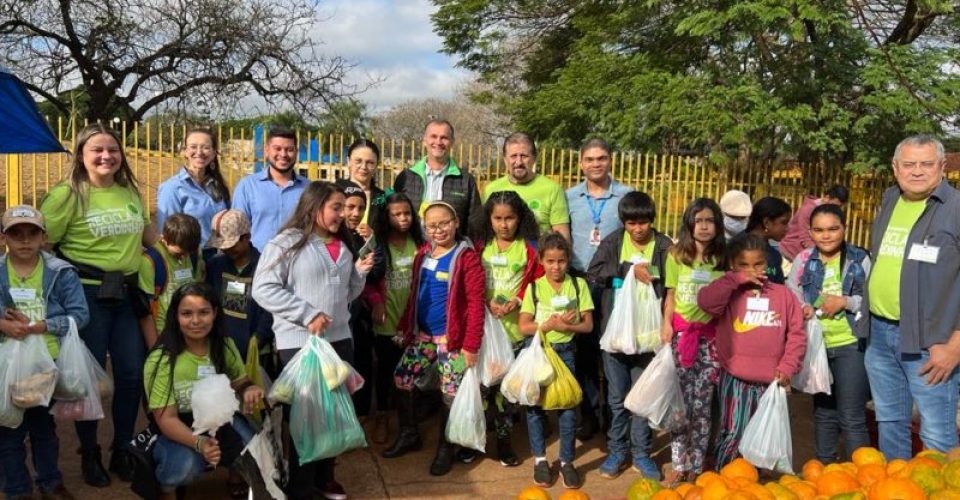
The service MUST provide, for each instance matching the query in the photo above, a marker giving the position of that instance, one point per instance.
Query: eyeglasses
(440, 226)
(913, 165)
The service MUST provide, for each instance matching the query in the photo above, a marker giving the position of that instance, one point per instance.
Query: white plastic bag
(651, 318)
(656, 395)
(467, 425)
(531, 370)
(815, 375)
(496, 351)
(766, 440)
(81, 382)
(10, 415)
(624, 322)
(214, 402)
(34, 372)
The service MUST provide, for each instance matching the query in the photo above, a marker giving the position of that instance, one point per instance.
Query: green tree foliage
(833, 80)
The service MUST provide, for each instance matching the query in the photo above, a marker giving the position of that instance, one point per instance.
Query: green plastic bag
(564, 392)
(323, 423)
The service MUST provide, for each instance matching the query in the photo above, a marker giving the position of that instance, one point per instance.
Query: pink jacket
(798, 231)
(753, 343)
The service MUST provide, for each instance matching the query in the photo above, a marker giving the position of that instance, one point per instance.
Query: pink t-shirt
(334, 247)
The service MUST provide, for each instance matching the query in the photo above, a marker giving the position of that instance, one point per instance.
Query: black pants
(388, 355)
(361, 326)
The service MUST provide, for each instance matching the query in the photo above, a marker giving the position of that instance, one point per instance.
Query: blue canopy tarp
(22, 128)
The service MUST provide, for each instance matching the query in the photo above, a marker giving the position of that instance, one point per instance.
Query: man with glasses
(544, 196)
(913, 292)
(436, 177)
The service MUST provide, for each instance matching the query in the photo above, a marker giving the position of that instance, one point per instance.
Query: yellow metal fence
(671, 180)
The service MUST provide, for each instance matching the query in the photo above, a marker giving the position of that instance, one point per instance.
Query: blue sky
(393, 40)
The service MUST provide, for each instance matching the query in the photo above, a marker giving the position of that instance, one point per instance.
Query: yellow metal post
(14, 176)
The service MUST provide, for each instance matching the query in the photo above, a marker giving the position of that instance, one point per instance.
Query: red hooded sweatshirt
(760, 330)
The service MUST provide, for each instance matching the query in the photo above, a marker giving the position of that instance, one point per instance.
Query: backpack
(576, 291)
(160, 269)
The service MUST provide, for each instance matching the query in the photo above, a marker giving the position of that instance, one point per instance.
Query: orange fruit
(852, 495)
(812, 469)
(739, 467)
(951, 474)
(706, 478)
(788, 478)
(893, 488)
(945, 494)
(896, 466)
(934, 454)
(836, 482)
(781, 492)
(533, 493)
(953, 454)
(928, 478)
(643, 489)
(716, 490)
(803, 489)
(740, 495)
(666, 495)
(868, 455)
(868, 474)
(683, 488)
(578, 495)
(759, 491)
(926, 460)
(838, 467)
(695, 493)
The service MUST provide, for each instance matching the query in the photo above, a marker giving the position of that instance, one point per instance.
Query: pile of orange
(930, 475)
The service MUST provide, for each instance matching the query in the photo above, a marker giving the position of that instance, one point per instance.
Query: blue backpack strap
(159, 271)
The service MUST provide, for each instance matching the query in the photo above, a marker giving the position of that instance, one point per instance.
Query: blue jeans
(45, 448)
(114, 327)
(179, 465)
(844, 409)
(896, 385)
(537, 417)
(622, 371)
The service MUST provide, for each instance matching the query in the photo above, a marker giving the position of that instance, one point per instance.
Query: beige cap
(22, 214)
(228, 227)
(736, 203)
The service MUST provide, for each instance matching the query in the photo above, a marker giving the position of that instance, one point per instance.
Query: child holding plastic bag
(642, 250)
(191, 347)
(38, 295)
(306, 278)
(505, 234)
(557, 306)
(759, 336)
(442, 327)
(695, 261)
(829, 279)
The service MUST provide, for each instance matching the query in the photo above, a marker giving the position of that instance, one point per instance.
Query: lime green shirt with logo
(188, 369)
(504, 270)
(545, 198)
(884, 285)
(106, 233)
(686, 282)
(550, 302)
(397, 283)
(27, 294)
(180, 271)
(836, 329)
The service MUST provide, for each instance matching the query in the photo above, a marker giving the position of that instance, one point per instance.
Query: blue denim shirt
(61, 290)
(266, 204)
(581, 219)
(854, 271)
(180, 194)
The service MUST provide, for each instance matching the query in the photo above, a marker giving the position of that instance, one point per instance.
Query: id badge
(23, 294)
(204, 371)
(758, 304)
(924, 253)
(700, 276)
(182, 274)
(559, 302)
(405, 261)
(595, 237)
(430, 264)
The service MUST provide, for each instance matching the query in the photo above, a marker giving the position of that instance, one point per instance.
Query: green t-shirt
(550, 302)
(686, 282)
(397, 283)
(179, 272)
(884, 285)
(28, 296)
(545, 198)
(107, 235)
(504, 271)
(188, 369)
(836, 329)
(630, 253)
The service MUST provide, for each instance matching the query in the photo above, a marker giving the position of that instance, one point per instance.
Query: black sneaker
(569, 476)
(505, 453)
(542, 475)
(467, 455)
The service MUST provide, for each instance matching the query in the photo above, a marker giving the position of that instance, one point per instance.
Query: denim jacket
(807, 274)
(62, 292)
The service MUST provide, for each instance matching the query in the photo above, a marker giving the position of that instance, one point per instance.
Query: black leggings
(388, 355)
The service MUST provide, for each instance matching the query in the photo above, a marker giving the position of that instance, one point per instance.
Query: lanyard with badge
(923, 252)
(595, 213)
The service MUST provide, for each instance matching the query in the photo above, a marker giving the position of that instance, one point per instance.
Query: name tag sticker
(700, 276)
(236, 288)
(442, 276)
(19, 294)
(758, 304)
(924, 253)
(430, 264)
(559, 301)
(637, 259)
(204, 371)
(182, 274)
(405, 261)
(499, 260)
(829, 273)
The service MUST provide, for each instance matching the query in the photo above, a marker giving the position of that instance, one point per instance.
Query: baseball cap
(22, 214)
(228, 227)
(736, 203)
(350, 189)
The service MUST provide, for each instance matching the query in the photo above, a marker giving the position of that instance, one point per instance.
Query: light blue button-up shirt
(582, 207)
(266, 204)
(180, 194)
